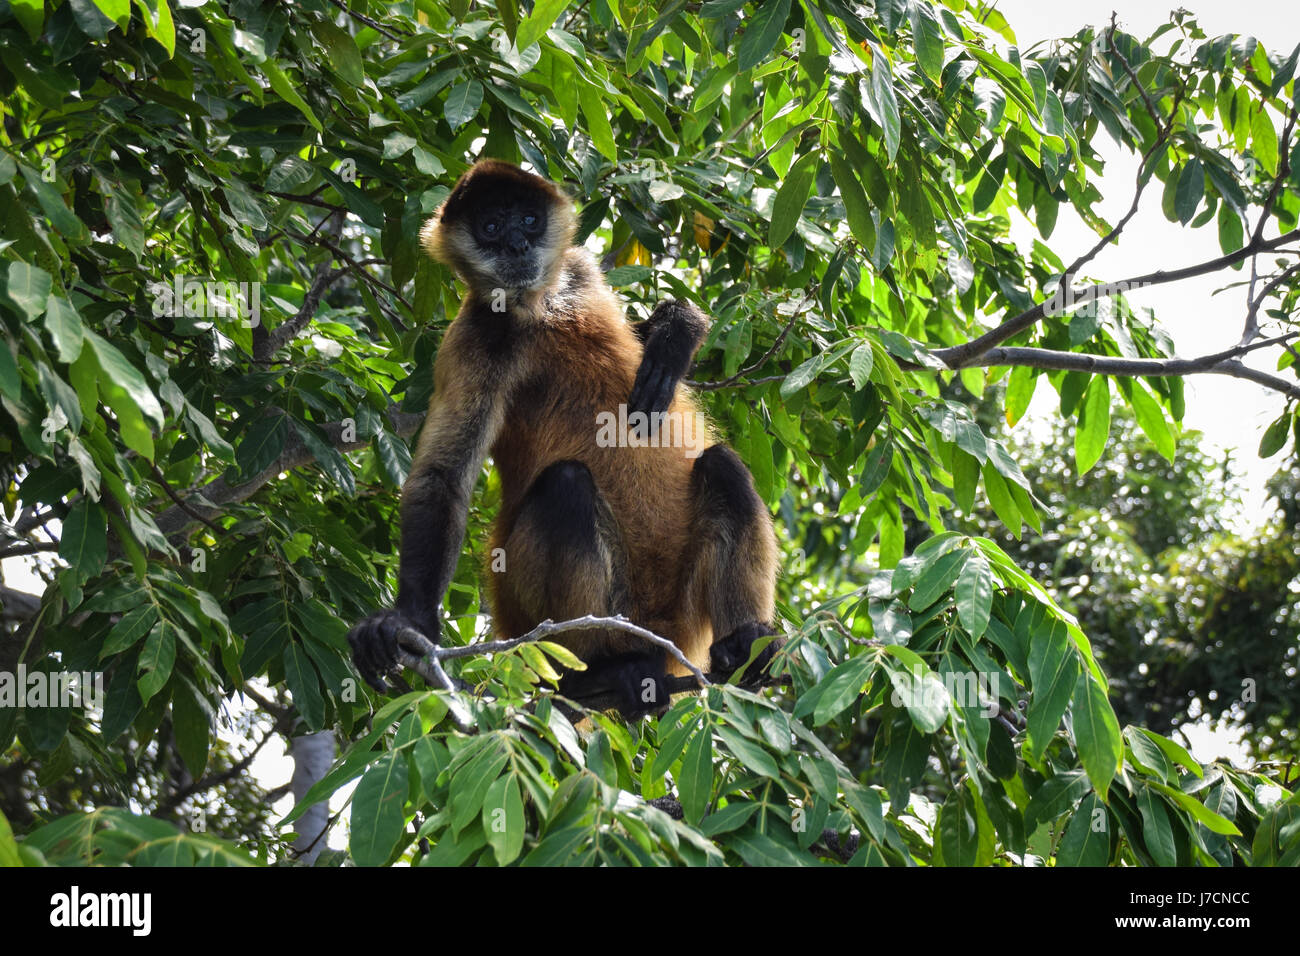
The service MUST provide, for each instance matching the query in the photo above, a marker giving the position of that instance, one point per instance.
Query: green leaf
(125, 221)
(1263, 139)
(880, 96)
(65, 328)
(1096, 732)
(262, 444)
(122, 385)
(342, 49)
(532, 29)
(917, 688)
(31, 14)
(1082, 845)
(695, 784)
(304, 685)
(1055, 797)
(84, 543)
(752, 756)
(1275, 436)
(157, 659)
(1151, 419)
(192, 728)
(927, 36)
(762, 31)
(1020, 392)
(959, 829)
(132, 626)
(974, 590)
(462, 103)
(1190, 191)
(28, 288)
(594, 110)
(937, 579)
(1199, 811)
(788, 205)
(282, 85)
(965, 479)
(1004, 505)
(1093, 430)
(860, 363)
(1157, 831)
(377, 818)
(1053, 670)
(857, 208)
(503, 819)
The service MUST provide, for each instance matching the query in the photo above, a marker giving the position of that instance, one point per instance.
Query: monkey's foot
(730, 653)
(634, 684)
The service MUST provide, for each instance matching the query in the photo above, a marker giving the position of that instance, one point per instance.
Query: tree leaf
(462, 103)
(695, 785)
(762, 31)
(1096, 732)
(1093, 429)
(377, 819)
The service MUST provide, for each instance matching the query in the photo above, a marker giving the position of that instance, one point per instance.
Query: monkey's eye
(530, 220)
(490, 228)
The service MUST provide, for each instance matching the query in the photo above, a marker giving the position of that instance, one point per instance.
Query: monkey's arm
(671, 335)
(464, 417)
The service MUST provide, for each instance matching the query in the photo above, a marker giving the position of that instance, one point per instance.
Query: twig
(370, 22)
(776, 347)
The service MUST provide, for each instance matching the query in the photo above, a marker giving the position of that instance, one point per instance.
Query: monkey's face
(510, 239)
(501, 229)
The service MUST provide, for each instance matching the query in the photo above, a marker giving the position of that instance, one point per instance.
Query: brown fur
(530, 393)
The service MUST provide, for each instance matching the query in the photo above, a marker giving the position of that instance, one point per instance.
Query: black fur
(671, 335)
(636, 681)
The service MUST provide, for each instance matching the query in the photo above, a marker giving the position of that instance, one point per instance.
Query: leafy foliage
(836, 191)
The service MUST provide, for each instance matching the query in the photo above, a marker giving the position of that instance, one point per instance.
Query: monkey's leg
(565, 559)
(730, 571)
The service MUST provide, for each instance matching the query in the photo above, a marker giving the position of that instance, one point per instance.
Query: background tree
(217, 465)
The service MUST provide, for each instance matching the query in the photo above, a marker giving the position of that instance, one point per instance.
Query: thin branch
(1252, 316)
(776, 347)
(28, 547)
(547, 628)
(212, 499)
(969, 353)
(1222, 363)
(370, 22)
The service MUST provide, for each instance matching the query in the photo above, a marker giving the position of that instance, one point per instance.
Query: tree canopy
(218, 333)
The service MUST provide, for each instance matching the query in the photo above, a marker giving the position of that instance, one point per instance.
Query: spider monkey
(669, 532)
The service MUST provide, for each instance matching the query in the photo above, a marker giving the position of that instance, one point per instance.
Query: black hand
(377, 641)
(669, 345)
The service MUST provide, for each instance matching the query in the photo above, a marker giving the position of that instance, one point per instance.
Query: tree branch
(1220, 363)
(968, 353)
(211, 500)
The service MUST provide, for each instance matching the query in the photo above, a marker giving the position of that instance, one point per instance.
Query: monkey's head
(501, 228)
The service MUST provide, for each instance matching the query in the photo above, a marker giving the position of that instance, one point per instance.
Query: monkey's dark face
(510, 235)
(502, 229)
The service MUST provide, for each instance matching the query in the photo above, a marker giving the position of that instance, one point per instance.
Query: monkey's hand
(379, 640)
(670, 342)
(733, 650)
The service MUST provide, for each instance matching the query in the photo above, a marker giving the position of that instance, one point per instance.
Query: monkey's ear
(430, 235)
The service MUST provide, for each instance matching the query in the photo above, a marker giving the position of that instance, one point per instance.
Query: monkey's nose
(517, 241)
